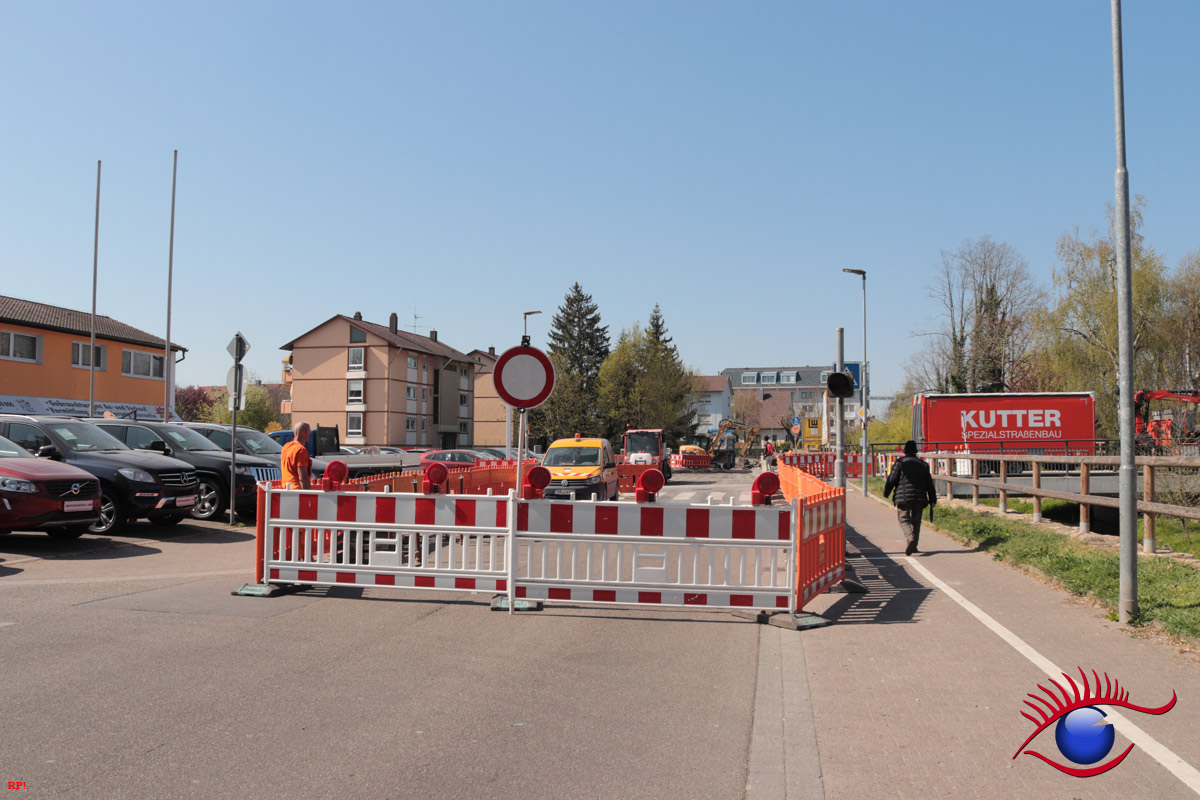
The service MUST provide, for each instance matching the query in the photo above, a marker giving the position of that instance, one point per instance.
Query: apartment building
(795, 391)
(380, 385)
(46, 363)
(712, 398)
(490, 410)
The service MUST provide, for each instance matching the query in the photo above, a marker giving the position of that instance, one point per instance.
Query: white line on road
(54, 581)
(1182, 770)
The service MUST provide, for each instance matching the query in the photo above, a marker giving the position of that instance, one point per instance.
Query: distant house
(712, 397)
(490, 410)
(380, 385)
(803, 388)
(46, 363)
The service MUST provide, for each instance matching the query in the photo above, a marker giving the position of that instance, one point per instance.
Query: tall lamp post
(862, 376)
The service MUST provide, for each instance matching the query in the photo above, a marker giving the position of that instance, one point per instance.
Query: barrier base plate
(268, 589)
(847, 586)
(500, 603)
(799, 622)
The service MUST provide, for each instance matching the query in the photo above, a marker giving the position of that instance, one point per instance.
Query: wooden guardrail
(944, 470)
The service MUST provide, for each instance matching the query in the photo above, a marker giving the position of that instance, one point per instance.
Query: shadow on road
(893, 596)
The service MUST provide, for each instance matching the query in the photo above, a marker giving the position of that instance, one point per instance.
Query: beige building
(489, 412)
(382, 386)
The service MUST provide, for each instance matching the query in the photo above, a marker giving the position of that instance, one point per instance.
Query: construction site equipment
(646, 446)
(1170, 428)
(725, 457)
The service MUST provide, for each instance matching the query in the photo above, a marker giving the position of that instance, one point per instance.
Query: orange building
(490, 411)
(45, 366)
(379, 385)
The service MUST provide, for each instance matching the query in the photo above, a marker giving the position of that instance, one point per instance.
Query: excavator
(723, 457)
(1165, 432)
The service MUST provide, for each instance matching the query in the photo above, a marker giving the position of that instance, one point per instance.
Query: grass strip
(1168, 590)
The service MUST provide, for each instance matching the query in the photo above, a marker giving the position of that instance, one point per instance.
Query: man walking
(913, 485)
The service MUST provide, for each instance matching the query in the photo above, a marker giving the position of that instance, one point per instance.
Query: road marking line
(55, 581)
(1182, 770)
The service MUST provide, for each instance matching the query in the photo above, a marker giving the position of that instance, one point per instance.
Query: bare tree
(985, 300)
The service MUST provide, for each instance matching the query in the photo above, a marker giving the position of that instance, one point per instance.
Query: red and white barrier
(821, 464)
(655, 554)
(630, 553)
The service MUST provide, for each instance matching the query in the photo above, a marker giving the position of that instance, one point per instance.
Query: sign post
(237, 348)
(524, 379)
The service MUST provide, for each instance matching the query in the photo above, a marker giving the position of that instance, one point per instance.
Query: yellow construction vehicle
(725, 457)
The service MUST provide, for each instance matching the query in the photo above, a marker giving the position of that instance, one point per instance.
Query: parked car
(36, 494)
(133, 484)
(249, 442)
(495, 452)
(453, 458)
(211, 463)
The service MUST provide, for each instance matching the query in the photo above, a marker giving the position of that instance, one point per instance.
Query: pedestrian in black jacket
(913, 484)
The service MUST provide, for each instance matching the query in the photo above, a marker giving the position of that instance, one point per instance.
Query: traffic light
(839, 384)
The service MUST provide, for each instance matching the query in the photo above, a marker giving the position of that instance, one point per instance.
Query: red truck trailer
(1037, 423)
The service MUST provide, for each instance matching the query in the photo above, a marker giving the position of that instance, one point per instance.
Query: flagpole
(168, 359)
(95, 277)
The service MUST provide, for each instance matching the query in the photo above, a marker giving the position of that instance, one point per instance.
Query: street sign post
(236, 382)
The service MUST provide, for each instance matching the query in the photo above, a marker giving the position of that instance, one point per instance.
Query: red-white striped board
(367, 577)
(640, 597)
(762, 523)
(375, 509)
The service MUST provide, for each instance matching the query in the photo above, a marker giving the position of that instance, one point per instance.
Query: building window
(412, 362)
(136, 364)
(20, 346)
(462, 428)
(79, 355)
(354, 391)
(749, 377)
(423, 421)
(463, 399)
(410, 424)
(357, 336)
(411, 392)
(787, 377)
(769, 377)
(424, 395)
(354, 426)
(466, 372)
(804, 395)
(356, 358)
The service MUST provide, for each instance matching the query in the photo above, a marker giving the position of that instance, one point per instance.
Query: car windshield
(83, 437)
(572, 457)
(12, 450)
(258, 443)
(641, 443)
(187, 439)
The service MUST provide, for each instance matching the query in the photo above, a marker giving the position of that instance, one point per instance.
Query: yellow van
(581, 467)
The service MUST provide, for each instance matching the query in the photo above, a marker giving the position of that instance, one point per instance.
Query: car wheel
(67, 532)
(112, 513)
(210, 499)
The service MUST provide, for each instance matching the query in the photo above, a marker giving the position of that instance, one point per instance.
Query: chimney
(393, 321)
(491, 351)
(433, 335)
(358, 315)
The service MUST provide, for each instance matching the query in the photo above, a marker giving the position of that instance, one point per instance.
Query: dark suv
(250, 442)
(210, 461)
(132, 484)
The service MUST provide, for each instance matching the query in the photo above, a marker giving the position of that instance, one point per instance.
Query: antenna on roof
(416, 317)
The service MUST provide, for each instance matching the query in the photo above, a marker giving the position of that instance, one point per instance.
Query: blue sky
(473, 159)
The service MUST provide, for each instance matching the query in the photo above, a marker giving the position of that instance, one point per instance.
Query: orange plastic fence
(821, 531)
(821, 464)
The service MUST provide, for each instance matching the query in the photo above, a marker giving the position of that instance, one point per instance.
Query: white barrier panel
(443, 542)
(655, 554)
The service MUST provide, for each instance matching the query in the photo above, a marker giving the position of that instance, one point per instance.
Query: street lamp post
(862, 376)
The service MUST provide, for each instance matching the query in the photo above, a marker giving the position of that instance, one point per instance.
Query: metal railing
(949, 467)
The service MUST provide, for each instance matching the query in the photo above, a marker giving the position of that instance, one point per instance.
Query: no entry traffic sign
(524, 377)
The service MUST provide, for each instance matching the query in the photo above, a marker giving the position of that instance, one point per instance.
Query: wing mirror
(49, 451)
(159, 446)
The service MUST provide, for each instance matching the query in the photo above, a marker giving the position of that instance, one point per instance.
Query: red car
(39, 494)
(453, 458)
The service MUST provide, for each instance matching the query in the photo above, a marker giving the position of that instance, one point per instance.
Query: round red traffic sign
(524, 377)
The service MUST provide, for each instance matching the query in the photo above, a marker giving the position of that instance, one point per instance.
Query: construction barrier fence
(764, 557)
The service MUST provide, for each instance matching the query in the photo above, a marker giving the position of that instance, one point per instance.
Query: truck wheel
(210, 499)
(112, 513)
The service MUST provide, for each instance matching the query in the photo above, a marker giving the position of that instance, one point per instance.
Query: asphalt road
(131, 671)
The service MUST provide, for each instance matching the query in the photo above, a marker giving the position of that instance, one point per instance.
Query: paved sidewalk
(913, 696)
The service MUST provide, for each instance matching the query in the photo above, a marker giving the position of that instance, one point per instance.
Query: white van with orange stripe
(583, 468)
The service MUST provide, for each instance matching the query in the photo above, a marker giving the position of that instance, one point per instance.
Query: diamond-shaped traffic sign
(238, 346)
